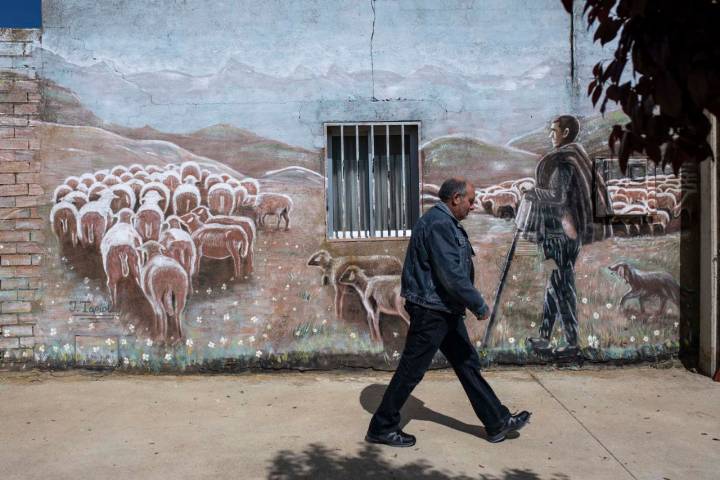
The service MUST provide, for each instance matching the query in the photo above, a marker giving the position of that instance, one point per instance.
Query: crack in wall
(372, 60)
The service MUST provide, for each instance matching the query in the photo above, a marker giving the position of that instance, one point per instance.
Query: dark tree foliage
(674, 50)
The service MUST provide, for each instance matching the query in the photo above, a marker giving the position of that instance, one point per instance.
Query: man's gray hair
(451, 187)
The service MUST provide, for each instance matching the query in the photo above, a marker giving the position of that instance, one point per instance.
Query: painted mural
(185, 200)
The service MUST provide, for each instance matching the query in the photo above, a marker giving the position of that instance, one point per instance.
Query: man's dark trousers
(430, 330)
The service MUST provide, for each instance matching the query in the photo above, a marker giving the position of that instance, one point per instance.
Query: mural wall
(183, 149)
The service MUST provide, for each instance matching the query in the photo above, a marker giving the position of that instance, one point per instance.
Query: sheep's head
(152, 248)
(125, 215)
(321, 258)
(350, 275)
(202, 212)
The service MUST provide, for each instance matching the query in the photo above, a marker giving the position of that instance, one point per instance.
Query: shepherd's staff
(498, 291)
(524, 220)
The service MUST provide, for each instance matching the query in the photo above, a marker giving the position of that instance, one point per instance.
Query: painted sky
(497, 66)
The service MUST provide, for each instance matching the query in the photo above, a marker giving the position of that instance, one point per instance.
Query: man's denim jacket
(438, 273)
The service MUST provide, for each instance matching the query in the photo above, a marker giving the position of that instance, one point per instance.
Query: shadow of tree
(318, 461)
(415, 409)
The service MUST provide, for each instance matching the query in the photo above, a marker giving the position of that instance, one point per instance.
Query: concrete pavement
(631, 423)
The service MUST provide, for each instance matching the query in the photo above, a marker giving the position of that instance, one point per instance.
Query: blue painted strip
(20, 13)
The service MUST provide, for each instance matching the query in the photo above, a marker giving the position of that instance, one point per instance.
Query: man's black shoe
(512, 424)
(394, 439)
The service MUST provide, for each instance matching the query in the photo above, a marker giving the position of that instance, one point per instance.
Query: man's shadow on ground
(415, 409)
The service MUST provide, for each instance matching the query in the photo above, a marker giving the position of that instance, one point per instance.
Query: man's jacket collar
(444, 208)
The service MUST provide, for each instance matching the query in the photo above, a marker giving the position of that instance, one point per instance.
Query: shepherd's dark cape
(588, 181)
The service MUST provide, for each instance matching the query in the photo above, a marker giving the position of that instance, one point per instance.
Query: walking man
(437, 284)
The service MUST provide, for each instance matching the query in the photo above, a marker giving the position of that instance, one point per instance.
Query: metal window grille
(372, 179)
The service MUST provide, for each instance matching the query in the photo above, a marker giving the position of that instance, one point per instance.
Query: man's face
(557, 136)
(462, 205)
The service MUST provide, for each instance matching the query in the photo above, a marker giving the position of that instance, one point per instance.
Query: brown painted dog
(644, 285)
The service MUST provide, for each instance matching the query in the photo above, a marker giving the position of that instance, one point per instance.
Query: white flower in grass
(240, 342)
(294, 309)
(145, 357)
(109, 342)
(532, 324)
(274, 299)
(258, 353)
(511, 340)
(126, 361)
(254, 319)
(91, 326)
(235, 303)
(514, 277)
(223, 287)
(314, 330)
(149, 342)
(198, 319)
(226, 317)
(189, 342)
(208, 291)
(211, 344)
(324, 321)
(596, 315)
(395, 334)
(223, 340)
(131, 327)
(55, 348)
(70, 321)
(353, 335)
(265, 336)
(646, 339)
(41, 348)
(669, 311)
(251, 339)
(608, 306)
(584, 300)
(395, 354)
(67, 347)
(676, 324)
(656, 333)
(95, 349)
(268, 327)
(297, 333)
(168, 357)
(593, 341)
(632, 339)
(633, 317)
(53, 331)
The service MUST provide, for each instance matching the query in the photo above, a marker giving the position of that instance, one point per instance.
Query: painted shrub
(186, 219)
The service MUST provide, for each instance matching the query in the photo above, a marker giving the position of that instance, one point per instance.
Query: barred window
(372, 179)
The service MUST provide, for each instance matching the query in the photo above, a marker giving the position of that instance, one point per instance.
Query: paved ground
(606, 424)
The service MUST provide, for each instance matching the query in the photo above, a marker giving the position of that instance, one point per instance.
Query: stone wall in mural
(186, 216)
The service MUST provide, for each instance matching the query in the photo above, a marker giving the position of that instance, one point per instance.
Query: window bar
(357, 180)
(342, 181)
(403, 186)
(388, 209)
(329, 200)
(371, 179)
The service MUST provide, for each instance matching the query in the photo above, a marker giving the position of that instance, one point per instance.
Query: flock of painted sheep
(639, 206)
(154, 225)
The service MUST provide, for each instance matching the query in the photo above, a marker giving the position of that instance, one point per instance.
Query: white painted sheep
(379, 294)
(221, 199)
(165, 284)
(120, 254)
(277, 204)
(63, 219)
(149, 217)
(187, 197)
(94, 219)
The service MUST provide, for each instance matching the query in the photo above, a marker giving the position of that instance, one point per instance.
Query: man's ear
(566, 133)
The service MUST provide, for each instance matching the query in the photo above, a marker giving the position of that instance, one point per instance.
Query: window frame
(330, 235)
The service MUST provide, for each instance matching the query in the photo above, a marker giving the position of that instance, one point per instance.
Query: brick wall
(21, 235)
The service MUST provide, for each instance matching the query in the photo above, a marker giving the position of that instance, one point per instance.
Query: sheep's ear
(621, 270)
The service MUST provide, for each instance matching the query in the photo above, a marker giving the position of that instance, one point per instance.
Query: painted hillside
(235, 147)
(594, 132)
(483, 163)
